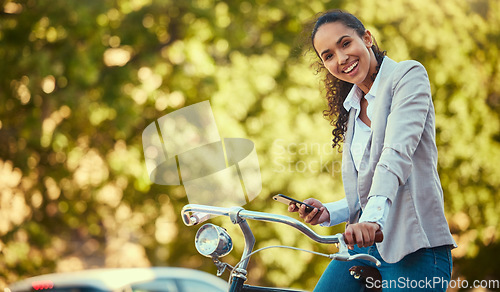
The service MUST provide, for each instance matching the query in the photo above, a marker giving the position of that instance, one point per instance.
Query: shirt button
(379, 208)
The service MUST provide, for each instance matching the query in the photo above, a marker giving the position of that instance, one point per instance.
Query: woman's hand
(362, 234)
(317, 216)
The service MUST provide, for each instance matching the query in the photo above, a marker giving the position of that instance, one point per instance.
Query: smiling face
(345, 54)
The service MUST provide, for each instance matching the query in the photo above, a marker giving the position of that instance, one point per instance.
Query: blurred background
(80, 81)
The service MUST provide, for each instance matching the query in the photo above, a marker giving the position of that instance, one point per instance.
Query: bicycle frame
(195, 214)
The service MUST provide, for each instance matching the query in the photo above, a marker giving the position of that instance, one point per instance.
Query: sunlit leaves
(80, 80)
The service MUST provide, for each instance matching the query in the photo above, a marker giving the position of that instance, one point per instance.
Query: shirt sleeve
(376, 210)
(339, 212)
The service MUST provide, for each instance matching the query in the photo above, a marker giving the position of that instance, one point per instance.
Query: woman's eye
(329, 56)
(346, 44)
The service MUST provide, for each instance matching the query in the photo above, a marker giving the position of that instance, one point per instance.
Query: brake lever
(343, 253)
(365, 257)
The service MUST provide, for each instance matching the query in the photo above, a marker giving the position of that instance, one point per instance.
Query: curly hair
(336, 89)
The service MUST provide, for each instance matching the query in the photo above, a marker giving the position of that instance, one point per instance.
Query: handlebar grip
(379, 237)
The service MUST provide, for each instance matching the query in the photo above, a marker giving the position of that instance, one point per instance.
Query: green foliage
(80, 80)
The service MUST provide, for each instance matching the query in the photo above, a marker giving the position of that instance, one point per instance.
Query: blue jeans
(427, 269)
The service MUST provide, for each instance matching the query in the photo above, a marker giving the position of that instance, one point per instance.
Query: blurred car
(156, 279)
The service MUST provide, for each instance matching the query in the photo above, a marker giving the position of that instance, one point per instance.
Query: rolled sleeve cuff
(376, 210)
(339, 212)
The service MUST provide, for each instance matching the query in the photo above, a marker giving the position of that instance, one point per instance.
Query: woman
(383, 113)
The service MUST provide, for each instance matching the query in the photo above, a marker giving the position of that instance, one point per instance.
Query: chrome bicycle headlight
(213, 241)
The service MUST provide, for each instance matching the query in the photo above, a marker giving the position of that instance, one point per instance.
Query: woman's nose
(342, 58)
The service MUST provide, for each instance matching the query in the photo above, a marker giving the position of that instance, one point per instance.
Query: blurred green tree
(80, 80)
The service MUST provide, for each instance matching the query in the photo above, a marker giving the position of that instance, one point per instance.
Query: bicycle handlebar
(193, 214)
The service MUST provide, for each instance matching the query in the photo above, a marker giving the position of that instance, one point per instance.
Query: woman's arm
(405, 125)
(338, 211)
(327, 214)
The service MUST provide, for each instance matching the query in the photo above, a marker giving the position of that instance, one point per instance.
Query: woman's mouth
(351, 67)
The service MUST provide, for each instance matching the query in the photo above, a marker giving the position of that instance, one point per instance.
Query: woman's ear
(368, 39)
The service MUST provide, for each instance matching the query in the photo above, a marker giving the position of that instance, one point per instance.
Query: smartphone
(287, 200)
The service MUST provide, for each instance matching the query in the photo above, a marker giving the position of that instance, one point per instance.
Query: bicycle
(214, 242)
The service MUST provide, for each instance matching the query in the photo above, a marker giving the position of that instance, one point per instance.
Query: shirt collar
(353, 99)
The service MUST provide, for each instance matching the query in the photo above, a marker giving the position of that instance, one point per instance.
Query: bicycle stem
(247, 233)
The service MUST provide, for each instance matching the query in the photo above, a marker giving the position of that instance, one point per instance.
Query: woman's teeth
(348, 70)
